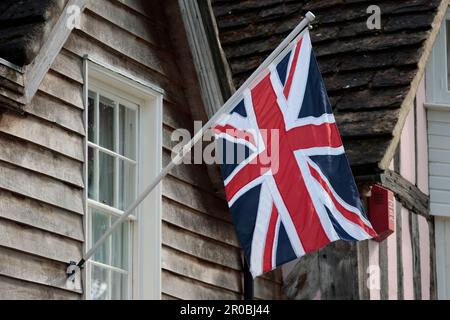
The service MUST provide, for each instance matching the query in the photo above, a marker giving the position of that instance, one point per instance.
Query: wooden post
(249, 291)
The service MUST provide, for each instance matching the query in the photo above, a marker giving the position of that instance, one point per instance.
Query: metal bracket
(72, 270)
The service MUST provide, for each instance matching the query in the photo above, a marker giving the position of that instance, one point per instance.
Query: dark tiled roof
(24, 25)
(368, 73)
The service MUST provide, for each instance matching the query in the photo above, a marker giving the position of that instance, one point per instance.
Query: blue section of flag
(337, 170)
(244, 212)
(285, 253)
(231, 154)
(240, 109)
(282, 68)
(338, 228)
(315, 101)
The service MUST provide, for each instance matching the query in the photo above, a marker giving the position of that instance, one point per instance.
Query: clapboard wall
(439, 150)
(439, 153)
(41, 161)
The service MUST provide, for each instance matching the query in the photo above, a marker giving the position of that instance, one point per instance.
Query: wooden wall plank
(69, 65)
(408, 277)
(415, 244)
(30, 268)
(168, 297)
(136, 5)
(40, 243)
(22, 290)
(188, 289)
(195, 175)
(128, 20)
(122, 42)
(199, 223)
(62, 88)
(194, 268)
(42, 188)
(32, 157)
(176, 116)
(266, 289)
(203, 248)
(191, 197)
(43, 133)
(81, 44)
(58, 113)
(41, 216)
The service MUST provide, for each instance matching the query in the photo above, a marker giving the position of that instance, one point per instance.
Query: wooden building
(91, 91)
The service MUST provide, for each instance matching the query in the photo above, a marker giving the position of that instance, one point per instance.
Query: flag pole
(227, 107)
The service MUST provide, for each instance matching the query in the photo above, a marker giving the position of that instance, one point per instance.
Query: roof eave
(20, 84)
(408, 102)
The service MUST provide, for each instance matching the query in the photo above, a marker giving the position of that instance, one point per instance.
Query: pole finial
(310, 16)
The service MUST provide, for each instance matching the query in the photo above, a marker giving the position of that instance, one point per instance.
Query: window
(123, 121)
(438, 68)
(112, 184)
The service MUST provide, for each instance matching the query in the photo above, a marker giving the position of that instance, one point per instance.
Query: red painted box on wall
(382, 212)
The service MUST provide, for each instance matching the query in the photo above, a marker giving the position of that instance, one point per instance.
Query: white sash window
(123, 147)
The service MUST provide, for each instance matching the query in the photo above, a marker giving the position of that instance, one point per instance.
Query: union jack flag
(287, 179)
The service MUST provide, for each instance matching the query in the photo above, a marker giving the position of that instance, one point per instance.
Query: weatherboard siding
(41, 189)
(41, 171)
(439, 152)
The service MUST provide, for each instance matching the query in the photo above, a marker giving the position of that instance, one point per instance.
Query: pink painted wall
(422, 183)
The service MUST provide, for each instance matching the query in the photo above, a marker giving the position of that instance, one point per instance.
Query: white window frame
(146, 261)
(438, 86)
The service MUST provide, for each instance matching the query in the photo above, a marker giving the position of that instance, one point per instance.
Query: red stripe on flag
(311, 136)
(349, 215)
(232, 131)
(270, 240)
(246, 175)
(287, 88)
(289, 179)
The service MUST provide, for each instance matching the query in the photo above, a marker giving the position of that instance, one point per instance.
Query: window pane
(127, 184)
(91, 117)
(100, 224)
(99, 283)
(119, 288)
(120, 243)
(106, 179)
(106, 114)
(92, 192)
(127, 132)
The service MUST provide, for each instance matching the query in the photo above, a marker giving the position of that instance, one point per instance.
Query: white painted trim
(202, 55)
(86, 271)
(147, 235)
(141, 87)
(438, 91)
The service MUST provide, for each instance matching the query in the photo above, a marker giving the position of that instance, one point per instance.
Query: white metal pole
(227, 107)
